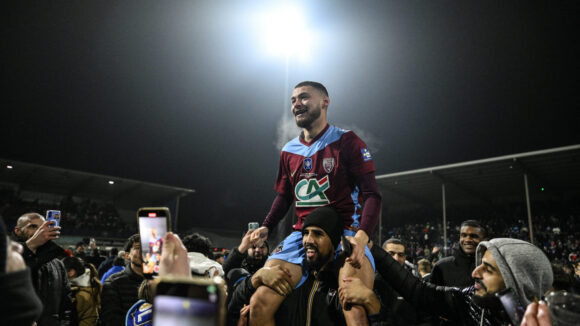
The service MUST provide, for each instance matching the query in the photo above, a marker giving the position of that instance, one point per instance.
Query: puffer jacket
(120, 292)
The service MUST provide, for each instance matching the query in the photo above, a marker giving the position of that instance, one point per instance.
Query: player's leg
(357, 314)
(265, 301)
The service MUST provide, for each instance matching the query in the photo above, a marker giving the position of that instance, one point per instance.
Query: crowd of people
(86, 217)
(328, 271)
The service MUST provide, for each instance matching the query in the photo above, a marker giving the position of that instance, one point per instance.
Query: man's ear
(326, 102)
(126, 255)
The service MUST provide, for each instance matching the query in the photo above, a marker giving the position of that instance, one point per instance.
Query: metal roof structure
(556, 170)
(125, 193)
(544, 174)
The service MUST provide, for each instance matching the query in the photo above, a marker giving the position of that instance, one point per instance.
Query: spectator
(501, 264)
(19, 304)
(49, 275)
(118, 266)
(247, 256)
(456, 270)
(397, 310)
(80, 250)
(315, 301)
(424, 267)
(121, 289)
(108, 262)
(94, 256)
(86, 290)
(198, 250)
(577, 277)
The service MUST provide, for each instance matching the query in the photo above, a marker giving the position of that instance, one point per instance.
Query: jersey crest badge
(310, 192)
(307, 164)
(328, 164)
(366, 155)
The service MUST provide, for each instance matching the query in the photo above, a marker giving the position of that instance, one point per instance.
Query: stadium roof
(550, 173)
(125, 193)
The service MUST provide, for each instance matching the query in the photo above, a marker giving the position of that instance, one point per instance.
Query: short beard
(487, 301)
(319, 262)
(313, 114)
(251, 261)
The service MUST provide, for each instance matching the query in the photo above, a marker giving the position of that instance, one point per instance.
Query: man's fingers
(530, 315)
(543, 314)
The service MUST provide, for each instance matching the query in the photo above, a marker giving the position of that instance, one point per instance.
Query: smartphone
(154, 223)
(513, 309)
(253, 226)
(346, 246)
(53, 215)
(191, 301)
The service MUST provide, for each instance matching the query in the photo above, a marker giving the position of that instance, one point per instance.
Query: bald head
(27, 225)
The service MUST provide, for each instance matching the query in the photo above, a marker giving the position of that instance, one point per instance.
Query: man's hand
(259, 236)
(244, 316)
(358, 242)
(246, 242)
(174, 260)
(276, 278)
(44, 233)
(354, 292)
(537, 315)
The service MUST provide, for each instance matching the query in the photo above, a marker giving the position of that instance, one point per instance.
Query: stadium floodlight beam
(284, 32)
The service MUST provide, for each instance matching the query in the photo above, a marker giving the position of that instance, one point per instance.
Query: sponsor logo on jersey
(366, 155)
(328, 164)
(307, 164)
(307, 175)
(310, 192)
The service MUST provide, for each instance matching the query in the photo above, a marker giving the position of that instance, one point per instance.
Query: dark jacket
(238, 260)
(19, 304)
(50, 280)
(315, 300)
(454, 270)
(119, 294)
(450, 303)
(105, 266)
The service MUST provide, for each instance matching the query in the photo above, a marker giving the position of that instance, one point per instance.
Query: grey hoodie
(523, 266)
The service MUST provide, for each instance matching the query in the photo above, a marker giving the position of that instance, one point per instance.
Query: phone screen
(53, 215)
(184, 304)
(153, 226)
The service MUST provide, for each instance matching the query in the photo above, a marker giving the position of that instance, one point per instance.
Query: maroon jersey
(322, 173)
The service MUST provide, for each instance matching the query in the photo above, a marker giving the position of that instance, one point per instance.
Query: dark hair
(475, 224)
(313, 84)
(95, 284)
(80, 243)
(396, 241)
(562, 280)
(197, 243)
(74, 263)
(114, 252)
(132, 239)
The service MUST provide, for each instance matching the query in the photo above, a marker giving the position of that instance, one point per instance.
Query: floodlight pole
(529, 207)
(444, 219)
(176, 211)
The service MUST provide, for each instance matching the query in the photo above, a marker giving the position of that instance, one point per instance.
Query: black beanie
(3, 247)
(328, 219)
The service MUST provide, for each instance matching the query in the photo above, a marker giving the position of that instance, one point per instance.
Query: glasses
(393, 253)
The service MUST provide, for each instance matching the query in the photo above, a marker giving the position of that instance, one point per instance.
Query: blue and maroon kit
(334, 169)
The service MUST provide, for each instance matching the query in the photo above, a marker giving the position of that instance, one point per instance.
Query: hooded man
(501, 265)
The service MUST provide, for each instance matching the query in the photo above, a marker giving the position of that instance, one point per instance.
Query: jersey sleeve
(358, 155)
(282, 185)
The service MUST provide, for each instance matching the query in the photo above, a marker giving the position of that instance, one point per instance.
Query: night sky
(186, 93)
